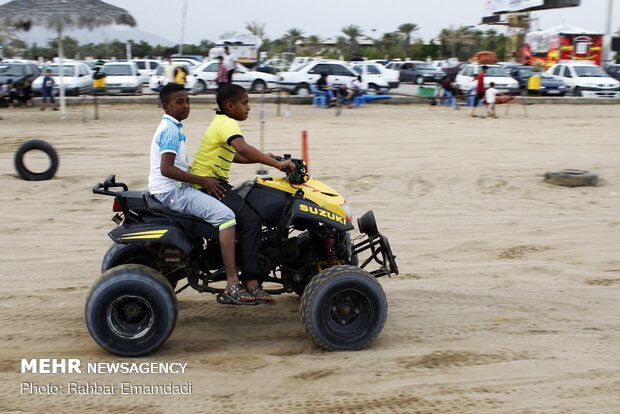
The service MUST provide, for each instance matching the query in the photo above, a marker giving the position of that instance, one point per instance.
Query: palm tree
(353, 32)
(313, 44)
(256, 28)
(292, 36)
(406, 30)
(460, 42)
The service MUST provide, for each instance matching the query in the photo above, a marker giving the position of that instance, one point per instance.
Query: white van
(122, 77)
(146, 67)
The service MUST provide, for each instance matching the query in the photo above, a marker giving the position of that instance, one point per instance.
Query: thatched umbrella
(59, 15)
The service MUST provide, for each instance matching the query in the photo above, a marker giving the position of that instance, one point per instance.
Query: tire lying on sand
(36, 144)
(343, 308)
(571, 178)
(131, 310)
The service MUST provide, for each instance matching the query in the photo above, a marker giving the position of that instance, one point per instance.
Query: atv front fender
(307, 210)
(145, 234)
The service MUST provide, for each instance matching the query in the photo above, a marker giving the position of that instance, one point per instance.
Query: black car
(418, 72)
(18, 71)
(613, 71)
(548, 84)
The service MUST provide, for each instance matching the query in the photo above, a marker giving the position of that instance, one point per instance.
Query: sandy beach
(508, 298)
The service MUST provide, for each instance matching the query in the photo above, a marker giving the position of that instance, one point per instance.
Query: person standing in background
(230, 61)
(169, 72)
(222, 73)
(479, 89)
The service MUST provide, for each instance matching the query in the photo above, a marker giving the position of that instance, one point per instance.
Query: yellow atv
(305, 248)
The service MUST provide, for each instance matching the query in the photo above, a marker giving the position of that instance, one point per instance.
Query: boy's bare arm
(240, 159)
(253, 155)
(169, 170)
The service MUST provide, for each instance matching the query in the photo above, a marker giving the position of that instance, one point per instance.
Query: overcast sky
(208, 19)
(325, 18)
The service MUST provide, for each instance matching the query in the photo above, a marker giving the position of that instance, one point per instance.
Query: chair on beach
(320, 97)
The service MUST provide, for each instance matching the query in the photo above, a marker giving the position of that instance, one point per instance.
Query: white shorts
(188, 200)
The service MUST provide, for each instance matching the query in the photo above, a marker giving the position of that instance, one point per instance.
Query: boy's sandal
(261, 296)
(237, 295)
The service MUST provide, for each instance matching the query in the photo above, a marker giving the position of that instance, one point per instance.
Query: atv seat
(197, 226)
(156, 205)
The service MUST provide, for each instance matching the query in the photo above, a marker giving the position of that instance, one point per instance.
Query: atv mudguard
(152, 233)
(307, 210)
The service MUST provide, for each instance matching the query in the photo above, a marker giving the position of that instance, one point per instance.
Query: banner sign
(498, 6)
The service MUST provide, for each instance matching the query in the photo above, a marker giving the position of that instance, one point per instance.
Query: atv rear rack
(381, 252)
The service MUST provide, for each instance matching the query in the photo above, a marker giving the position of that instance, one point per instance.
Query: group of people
(482, 93)
(342, 93)
(202, 189)
(17, 93)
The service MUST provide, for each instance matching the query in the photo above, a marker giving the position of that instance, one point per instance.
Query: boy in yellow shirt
(223, 144)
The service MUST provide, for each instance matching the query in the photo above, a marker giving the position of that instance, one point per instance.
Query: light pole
(183, 27)
(607, 39)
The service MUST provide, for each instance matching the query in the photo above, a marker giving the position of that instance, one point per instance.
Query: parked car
(298, 80)
(273, 66)
(416, 71)
(250, 79)
(146, 67)
(122, 77)
(499, 75)
(18, 70)
(375, 72)
(300, 60)
(585, 79)
(548, 85)
(157, 78)
(77, 78)
(613, 71)
(197, 58)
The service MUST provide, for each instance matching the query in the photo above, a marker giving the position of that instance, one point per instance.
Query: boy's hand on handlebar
(286, 166)
(213, 187)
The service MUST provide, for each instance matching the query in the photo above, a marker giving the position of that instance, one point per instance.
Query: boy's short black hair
(229, 92)
(492, 84)
(167, 90)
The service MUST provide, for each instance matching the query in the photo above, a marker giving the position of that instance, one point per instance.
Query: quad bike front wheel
(131, 310)
(343, 308)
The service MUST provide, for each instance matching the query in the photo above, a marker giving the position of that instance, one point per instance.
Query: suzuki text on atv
(305, 247)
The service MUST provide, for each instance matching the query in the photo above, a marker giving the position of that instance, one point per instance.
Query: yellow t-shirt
(179, 77)
(215, 154)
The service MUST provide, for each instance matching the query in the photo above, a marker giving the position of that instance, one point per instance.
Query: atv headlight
(347, 210)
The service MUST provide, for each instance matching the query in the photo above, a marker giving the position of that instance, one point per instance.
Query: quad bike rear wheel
(120, 254)
(131, 310)
(343, 308)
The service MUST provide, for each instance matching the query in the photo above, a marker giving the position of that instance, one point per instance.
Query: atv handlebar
(300, 174)
(109, 182)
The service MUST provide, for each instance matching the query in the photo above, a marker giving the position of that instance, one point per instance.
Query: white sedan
(377, 74)
(77, 78)
(206, 73)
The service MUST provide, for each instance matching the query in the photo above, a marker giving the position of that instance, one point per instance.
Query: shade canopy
(62, 14)
(59, 15)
